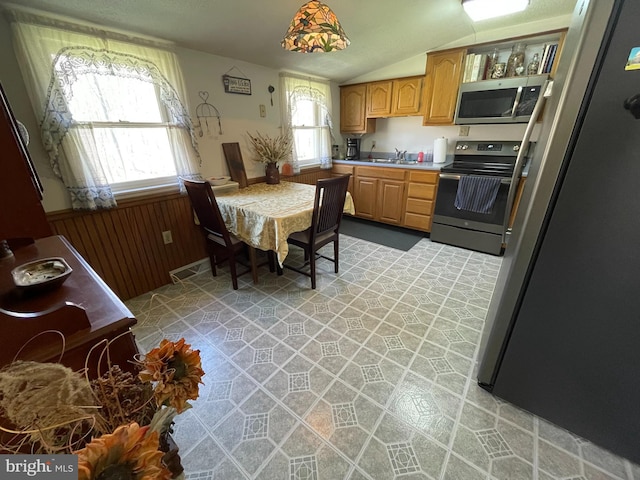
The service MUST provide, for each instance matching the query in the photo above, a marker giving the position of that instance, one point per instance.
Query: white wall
(239, 113)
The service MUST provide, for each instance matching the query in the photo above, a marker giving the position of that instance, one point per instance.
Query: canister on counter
(440, 150)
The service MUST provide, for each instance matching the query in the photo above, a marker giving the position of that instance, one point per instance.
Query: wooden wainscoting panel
(309, 176)
(125, 246)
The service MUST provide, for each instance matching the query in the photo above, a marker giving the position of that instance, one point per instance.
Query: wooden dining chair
(235, 163)
(325, 225)
(221, 244)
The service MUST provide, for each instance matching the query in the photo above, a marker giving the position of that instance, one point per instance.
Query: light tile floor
(371, 376)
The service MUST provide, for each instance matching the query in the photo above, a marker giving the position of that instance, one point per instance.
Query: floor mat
(387, 235)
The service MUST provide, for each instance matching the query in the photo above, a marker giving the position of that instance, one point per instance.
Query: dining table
(264, 215)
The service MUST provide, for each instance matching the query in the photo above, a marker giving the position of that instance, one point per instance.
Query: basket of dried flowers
(116, 424)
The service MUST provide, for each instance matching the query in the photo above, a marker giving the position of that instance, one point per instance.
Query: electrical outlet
(166, 237)
(263, 111)
(464, 131)
(373, 144)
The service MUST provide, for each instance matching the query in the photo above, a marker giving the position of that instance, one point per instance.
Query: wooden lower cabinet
(403, 197)
(379, 194)
(390, 196)
(421, 197)
(339, 170)
(365, 197)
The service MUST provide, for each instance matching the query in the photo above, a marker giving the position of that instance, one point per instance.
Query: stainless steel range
(484, 169)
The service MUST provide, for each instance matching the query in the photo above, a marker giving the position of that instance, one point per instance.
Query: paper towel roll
(440, 150)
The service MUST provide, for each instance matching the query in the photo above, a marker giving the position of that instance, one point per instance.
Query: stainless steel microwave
(505, 100)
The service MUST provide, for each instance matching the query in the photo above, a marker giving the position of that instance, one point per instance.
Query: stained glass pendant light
(315, 28)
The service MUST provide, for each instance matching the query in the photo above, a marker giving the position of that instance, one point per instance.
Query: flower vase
(171, 458)
(272, 173)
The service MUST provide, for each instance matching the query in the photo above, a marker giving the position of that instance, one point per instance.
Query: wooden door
(390, 201)
(379, 98)
(407, 95)
(442, 80)
(365, 197)
(353, 110)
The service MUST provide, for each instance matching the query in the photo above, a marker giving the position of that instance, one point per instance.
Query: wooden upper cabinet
(353, 110)
(379, 98)
(394, 98)
(407, 96)
(442, 80)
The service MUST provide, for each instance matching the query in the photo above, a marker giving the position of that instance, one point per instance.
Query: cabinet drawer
(381, 172)
(423, 177)
(421, 190)
(342, 169)
(423, 207)
(414, 220)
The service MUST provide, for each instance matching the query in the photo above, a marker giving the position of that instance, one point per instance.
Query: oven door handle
(453, 176)
(516, 102)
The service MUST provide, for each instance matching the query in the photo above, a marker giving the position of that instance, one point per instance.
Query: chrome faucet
(400, 155)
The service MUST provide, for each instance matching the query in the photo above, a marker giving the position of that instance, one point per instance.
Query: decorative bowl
(43, 274)
(215, 181)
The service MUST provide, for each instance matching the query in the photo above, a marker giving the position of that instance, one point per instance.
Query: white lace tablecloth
(265, 215)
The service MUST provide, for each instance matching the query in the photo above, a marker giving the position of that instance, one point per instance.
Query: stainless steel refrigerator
(562, 338)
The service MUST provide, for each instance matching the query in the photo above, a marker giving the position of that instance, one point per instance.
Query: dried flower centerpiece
(117, 424)
(271, 151)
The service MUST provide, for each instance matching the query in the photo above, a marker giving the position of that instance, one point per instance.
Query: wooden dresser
(84, 310)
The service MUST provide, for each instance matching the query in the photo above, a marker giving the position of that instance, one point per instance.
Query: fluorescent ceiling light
(483, 9)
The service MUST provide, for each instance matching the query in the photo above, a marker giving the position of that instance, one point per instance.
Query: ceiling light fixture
(315, 28)
(484, 9)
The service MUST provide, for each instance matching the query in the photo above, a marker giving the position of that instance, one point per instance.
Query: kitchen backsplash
(408, 133)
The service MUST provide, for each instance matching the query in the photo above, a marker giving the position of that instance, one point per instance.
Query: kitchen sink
(388, 160)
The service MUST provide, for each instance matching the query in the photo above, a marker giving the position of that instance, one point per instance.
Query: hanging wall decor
(204, 112)
(241, 85)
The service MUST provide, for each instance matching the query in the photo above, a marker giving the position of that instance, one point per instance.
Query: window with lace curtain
(307, 112)
(129, 124)
(112, 108)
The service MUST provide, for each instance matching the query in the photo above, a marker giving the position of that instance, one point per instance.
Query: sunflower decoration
(130, 452)
(176, 371)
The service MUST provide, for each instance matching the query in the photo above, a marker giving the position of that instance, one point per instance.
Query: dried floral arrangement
(268, 149)
(116, 424)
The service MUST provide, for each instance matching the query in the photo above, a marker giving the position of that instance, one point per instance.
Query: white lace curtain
(51, 55)
(297, 88)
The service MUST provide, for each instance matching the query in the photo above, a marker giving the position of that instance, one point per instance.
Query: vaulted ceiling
(382, 32)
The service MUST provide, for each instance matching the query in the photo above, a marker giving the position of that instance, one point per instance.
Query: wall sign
(236, 85)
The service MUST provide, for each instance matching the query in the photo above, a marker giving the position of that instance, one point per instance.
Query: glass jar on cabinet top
(492, 60)
(534, 64)
(515, 64)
